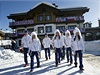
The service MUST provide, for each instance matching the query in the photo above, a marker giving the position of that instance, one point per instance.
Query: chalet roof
(6, 31)
(18, 14)
(1, 33)
(74, 8)
(51, 5)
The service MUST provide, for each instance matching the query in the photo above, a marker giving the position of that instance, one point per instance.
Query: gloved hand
(20, 50)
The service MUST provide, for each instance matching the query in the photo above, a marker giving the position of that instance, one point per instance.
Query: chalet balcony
(25, 22)
(70, 19)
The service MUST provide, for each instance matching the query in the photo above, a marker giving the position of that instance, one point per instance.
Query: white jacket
(68, 39)
(46, 42)
(63, 40)
(35, 43)
(78, 44)
(57, 43)
(68, 42)
(26, 41)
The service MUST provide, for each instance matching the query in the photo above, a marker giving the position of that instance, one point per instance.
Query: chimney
(54, 4)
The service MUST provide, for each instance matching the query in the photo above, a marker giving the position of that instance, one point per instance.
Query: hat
(57, 31)
(46, 34)
(25, 31)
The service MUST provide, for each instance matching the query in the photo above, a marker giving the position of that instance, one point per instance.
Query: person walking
(46, 44)
(63, 47)
(25, 45)
(57, 45)
(78, 45)
(68, 43)
(34, 50)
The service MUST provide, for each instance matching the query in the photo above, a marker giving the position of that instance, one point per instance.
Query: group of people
(62, 44)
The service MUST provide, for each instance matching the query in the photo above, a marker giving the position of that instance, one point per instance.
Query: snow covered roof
(7, 31)
(46, 3)
(25, 12)
(73, 8)
(19, 13)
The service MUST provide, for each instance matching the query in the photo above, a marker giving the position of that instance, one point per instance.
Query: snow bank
(8, 54)
(5, 42)
(93, 46)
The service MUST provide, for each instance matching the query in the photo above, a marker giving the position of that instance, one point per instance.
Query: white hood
(34, 33)
(68, 33)
(35, 45)
(77, 30)
(57, 31)
(57, 43)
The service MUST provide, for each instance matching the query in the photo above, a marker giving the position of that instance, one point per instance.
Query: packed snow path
(15, 67)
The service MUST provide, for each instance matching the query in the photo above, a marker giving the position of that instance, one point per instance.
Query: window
(84, 25)
(98, 34)
(89, 25)
(30, 30)
(40, 29)
(88, 34)
(71, 27)
(40, 18)
(44, 16)
(61, 28)
(48, 29)
(47, 17)
(20, 30)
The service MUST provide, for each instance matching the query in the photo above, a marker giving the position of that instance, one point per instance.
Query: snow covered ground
(11, 63)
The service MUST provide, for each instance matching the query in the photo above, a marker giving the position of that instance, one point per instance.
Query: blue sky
(12, 6)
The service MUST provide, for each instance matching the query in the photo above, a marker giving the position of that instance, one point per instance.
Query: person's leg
(49, 53)
(71, 60)
(37, 58)
(59, 54)
(46, 54)
(80, 60)
(32, 61)
(63, 52)
(75, 58)
(25, 55)
(56, 53)
(67, 55)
